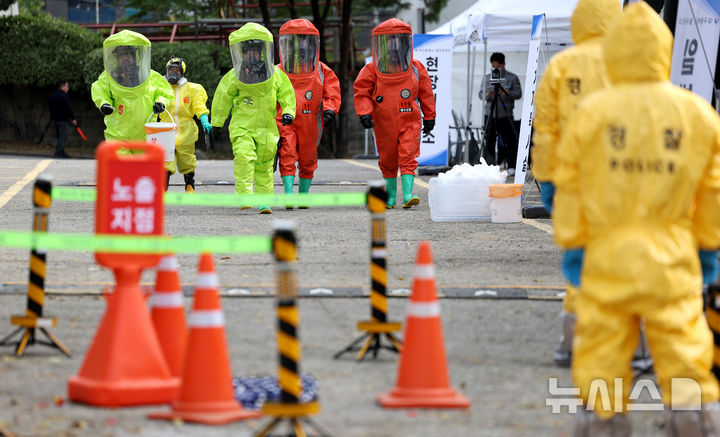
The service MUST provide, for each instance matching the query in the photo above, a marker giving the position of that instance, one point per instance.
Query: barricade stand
(124, 365)
(36, 285)
(378, 325)
(289, 408)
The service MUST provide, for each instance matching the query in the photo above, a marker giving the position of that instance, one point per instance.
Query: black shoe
(62, 155)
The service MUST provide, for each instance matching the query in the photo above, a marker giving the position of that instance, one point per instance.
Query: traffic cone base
(122, 393)
(423, 398)
(220, 413)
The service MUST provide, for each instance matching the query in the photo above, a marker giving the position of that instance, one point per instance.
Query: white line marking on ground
(19, 185)
(418, 182)
(542, 226)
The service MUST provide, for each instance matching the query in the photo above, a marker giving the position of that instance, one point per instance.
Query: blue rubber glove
(572, 265)
(205, 123)
(709, 265)
(547, 192)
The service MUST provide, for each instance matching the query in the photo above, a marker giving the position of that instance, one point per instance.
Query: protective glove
(709, 265)
(547, 193)
(572, 265)
(428, 126)
(367, 121)
(328, 117)
(106, 109)
(158, 108)
(205, 123)
(287, 119)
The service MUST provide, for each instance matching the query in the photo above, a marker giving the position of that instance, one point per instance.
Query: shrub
(39, 50)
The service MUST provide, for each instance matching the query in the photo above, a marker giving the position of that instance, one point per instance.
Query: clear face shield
(252, 60)
(129, 66)
(392, 53)
(299, 53)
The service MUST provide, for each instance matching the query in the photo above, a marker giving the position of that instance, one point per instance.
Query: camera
(496, 77)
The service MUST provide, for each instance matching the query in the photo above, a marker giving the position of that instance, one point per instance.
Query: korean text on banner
(695, 54)
(435, 53)
(129, 197)
(528, 107)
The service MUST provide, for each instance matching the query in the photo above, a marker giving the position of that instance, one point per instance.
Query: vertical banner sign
(435, 53)
(528, 107)
(129, 197)
(689, 66)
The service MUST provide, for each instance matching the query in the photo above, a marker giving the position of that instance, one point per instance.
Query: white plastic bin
(162, 133)
(505, 203)
(459, 199)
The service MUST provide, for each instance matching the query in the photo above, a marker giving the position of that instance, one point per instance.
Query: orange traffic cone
(124, 364)
(423, 380)
(168, 314)
(206, 394)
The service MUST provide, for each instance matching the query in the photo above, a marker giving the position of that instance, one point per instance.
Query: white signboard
(690, 68)
(435, 53)
(528, 107)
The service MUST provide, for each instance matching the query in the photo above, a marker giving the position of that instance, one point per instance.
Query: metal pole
(484, 93)
(466, 158)
(97, 11)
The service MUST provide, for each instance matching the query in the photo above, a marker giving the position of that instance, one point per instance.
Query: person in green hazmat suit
(127, 92)
(252, 90)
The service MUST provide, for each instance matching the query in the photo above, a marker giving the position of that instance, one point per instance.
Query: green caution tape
(227, 199)
(134, 243)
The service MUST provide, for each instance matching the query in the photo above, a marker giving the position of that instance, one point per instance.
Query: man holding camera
(500, 90)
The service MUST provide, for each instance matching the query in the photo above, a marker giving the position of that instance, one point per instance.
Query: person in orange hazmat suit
(317, 93)
(390, 94)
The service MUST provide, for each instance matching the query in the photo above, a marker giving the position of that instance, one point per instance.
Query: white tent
(505, 24)
(500, 25)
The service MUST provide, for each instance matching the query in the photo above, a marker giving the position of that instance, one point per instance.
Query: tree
(4, 4)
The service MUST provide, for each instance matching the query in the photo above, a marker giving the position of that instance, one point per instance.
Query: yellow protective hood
(639, 47)
(593, 18)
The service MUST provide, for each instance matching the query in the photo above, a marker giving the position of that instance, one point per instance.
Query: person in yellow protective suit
(569, 76)
(127, 92)
(189, 101)
(638, 206)
(253, 89)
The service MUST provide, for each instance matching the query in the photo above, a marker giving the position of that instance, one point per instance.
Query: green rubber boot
(391, 186)
(407, 183)
(304, 188)
(288, 182)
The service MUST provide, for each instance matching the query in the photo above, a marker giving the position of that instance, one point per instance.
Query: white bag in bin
(461, 194)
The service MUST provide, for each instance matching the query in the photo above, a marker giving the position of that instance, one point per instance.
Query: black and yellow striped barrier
(289, 408)
(33, 318)
(72, 194)
(378, 324)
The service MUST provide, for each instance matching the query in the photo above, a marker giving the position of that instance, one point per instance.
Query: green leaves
(40, 50)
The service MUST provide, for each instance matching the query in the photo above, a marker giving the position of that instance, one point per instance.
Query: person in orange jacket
(390, 92)
(317, 93)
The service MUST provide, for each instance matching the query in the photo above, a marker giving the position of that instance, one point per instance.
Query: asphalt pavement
(499, 287)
